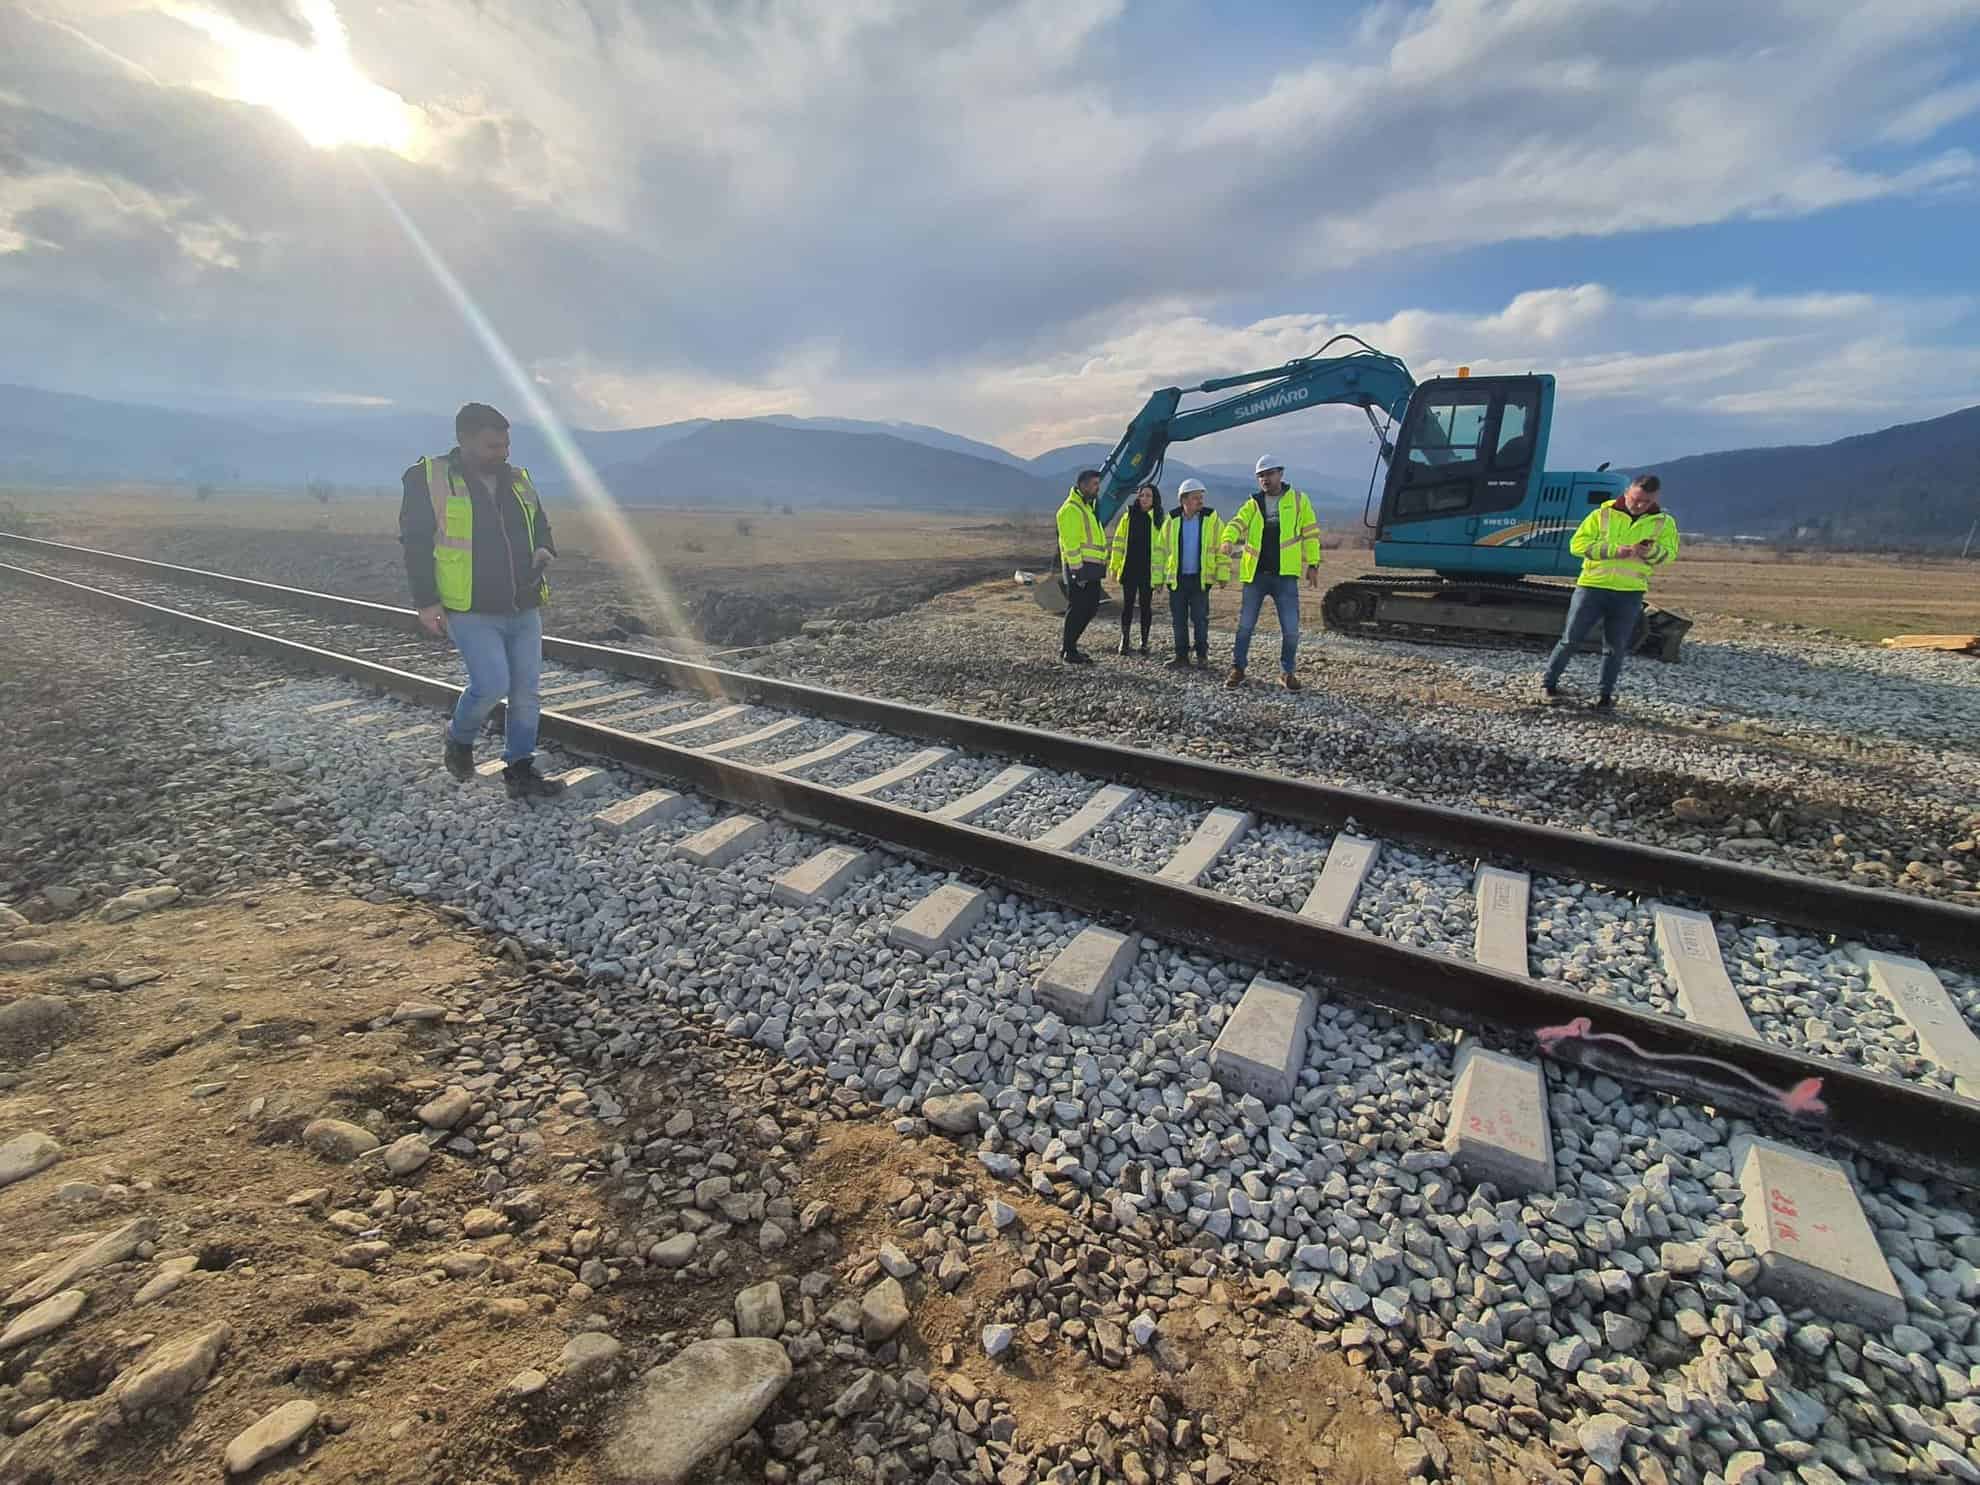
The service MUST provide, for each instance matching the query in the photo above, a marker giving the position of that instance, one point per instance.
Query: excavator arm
(1367, 378)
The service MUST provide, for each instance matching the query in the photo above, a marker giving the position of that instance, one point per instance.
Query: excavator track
(1484, 612)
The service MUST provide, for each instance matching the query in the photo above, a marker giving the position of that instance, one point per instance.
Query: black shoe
(1076, 657)
(1603, 704)
(524, 782)
(1549, 693)
(1124, 644)
(1202, 662)
(1181, 662)
(460, 760)
(1144, 647)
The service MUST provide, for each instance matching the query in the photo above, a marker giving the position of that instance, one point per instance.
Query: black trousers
(1082, 600)
(1130, 593)
(1189, 608)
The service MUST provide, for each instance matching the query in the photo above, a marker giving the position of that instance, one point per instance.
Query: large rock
(112, 1247)
(27, 951)
(883, 1312)
(760, 1310)
(701, 1401)
(338, 1139)
(44, 1319)
(34, 1023)
(25, 1155)
(143, 900)
(955, 1113)
(406, 1155)
(590, 1356)
(170, 1372)
(270, 1435)
(11, 922)
(447, 1109)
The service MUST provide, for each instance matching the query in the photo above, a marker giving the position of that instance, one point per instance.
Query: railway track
(719, 734)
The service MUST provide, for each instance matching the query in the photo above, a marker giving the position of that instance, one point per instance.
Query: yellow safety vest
(1216, 562)
(1081, 538)
(1158, 556)
(1604, 538)
(1299, 535)
(453, 529)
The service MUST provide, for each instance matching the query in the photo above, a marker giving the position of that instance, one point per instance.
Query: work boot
(1181, 662)
(1077, 657)
(524, 782)
(1124, 644)
(1202, 662)
(1144, 644)
(1289, 681)
(1235, 678)
(1605, 703)
(460, 760)
(1549, 691)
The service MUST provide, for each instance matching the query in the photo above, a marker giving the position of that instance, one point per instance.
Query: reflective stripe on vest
(1301, 546)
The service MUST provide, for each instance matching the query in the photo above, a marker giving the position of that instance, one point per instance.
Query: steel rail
(1945, 930)
(1919, 1130)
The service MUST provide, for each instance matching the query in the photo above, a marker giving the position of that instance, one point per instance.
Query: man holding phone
(1620, 543)
(477, 545)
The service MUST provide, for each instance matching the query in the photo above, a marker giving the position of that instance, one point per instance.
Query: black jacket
(505, 576)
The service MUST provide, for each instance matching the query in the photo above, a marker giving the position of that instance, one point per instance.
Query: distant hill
(1911, 485)
(750, 463)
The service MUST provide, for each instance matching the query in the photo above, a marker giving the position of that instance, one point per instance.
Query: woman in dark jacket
(1137, 558)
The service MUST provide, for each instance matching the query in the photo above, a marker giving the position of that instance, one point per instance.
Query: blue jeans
(504, 657)
(1616, 612)
(1284, 593)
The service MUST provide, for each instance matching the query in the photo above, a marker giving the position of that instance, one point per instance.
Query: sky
(1718, 225)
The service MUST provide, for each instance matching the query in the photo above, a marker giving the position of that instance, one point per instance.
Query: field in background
(745, 578)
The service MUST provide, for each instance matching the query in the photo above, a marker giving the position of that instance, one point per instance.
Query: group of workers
(1275, 538)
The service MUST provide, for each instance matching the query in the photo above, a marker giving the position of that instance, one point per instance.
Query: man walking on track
(1083, 555)
(477, 543)
(1278, 539)
(1196, 564)
(1619, 544)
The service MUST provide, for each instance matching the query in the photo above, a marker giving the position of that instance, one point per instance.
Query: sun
(317, 88)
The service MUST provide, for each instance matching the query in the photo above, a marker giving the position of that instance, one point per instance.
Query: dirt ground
(179, 1102)
(733, 586)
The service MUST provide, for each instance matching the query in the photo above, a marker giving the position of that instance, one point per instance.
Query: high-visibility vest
(1604, 538)
(1081, 537)
(1158, 559)
(1299, 535)
(453, 529)
(1214, 562)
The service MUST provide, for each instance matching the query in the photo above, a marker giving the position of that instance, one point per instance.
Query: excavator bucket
(1048, 591)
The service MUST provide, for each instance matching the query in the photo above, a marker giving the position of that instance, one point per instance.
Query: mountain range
(1910, 484)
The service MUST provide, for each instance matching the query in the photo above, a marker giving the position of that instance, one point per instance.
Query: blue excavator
(1469, 510)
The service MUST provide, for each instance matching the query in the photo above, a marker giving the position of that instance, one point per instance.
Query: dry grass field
(734, 578)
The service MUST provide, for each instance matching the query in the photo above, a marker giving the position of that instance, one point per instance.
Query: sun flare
(317, 88)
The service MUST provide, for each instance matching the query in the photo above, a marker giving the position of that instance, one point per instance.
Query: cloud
(901, 208)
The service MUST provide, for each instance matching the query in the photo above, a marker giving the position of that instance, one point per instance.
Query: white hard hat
(1268, 461)
(1188, 487)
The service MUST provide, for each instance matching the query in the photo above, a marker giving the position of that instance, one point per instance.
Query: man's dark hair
(1087, 474)
(1649, 484)
(475, 416)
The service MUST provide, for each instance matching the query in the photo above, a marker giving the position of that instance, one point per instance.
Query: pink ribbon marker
(1804, 1097)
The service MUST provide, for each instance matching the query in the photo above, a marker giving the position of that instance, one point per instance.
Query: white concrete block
(907, 768)
(723, 841)
(1079, 982)
(641, 810)
(1349, 860)
(681, 729)
(1499, 1130)
(1499, 936)
(978, 800)
(325, 708)
(939, 919)
(750, 739)
(1263, 1046)
(1097, 811)
(578, 705)
(1215, 834)
(1691, 958)
(635, 721)
(1920, 997)
(1808, 1230)
(816, 881)
(581, 782)
(838, 747)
